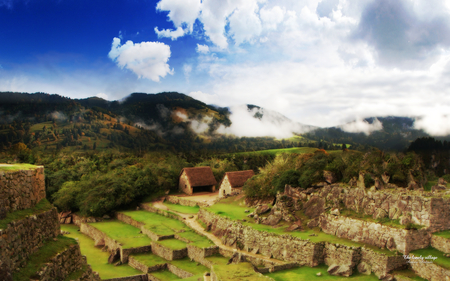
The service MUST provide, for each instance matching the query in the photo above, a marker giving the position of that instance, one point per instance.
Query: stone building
(197, 179)
(233, 182)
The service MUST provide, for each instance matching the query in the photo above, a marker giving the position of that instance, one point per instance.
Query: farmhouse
(197, 179)
(233, 182)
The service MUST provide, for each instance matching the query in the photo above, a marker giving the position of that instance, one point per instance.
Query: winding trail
(193, 223)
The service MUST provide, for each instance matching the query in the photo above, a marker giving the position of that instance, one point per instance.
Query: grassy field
(149, 259)
(173, 244)
(445, 234)
(125, 234)
(189, 266)
(40, 207)
(238, 272)
(432, 252)
(96, 258)
(308, 273)
(17, 167)
(298, 150)
(165, 275)
(158, 224)
(196, 239)
(43, 255)
(409, 273)
(182, 209)
(235, 210)
(219, 260)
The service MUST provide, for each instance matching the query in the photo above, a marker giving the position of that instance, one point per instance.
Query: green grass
(125, 234)
(173, 244)
(158, 224)
(164, 275)
(238, 272)
(219, 260)
(149, 259)
(43, 255)
(299, 150)
(408, 273)
(40, 207)
(444, 234)
(441, 260)
(231, 208)
(76, 274)
(196, 239)
(17, 167)
(308, 273)
(96, 258)
(198, 277)
(189, 266)
(182, 209)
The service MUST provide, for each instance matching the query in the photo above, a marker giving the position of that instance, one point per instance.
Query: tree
(344, 146)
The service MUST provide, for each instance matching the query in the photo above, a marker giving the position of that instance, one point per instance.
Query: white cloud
(202, 49)
(102, 95)
(146, 59)
(172, 34)
(271, 17)
(362, 126)
(187, 69)
(434, 124)
(181, 11)
(245, 23)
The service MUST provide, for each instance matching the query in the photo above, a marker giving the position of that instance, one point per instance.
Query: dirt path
(192, 223)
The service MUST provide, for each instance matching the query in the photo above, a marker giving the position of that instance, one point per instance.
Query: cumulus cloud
(146, 59)
(181, 12)
(434, 124)
(258, 122)
(362, 126)
(202, 49)
(173, 34)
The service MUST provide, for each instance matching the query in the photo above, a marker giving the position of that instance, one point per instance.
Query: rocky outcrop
(22, 189)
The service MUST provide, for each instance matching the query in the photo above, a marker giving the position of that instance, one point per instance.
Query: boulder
(262, 209)
(380, 214)
(340, 270)
(295, 226)
(353, 182)
(390, 244)
(335, 212)
(405, 219)
(271, 220)
(364, 268)
(314, 207)
(329, 176)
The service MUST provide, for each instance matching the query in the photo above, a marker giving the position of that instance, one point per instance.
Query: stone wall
(178, 271)
(185, 202)
(63, 264)
(282, 247)
(335, 254)
(24, 237)
(429, 271)
(142, 277)
(167, 253)
(134, 263)
(381, 264)
(102, 239)
(375, 234)
(20, 190)
(440, 243)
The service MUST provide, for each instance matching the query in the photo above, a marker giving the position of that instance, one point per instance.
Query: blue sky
(319, 62)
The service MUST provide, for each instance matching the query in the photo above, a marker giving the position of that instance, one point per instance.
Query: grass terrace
(196, 239)
(182, 209)
(16, 167)
(235, 210)
(408, 273)
(164, 275)
(198, 277)
(444, 234)
(219, 260)
(158, 224)
(238, 272)
(43, 255)
(125, 234)
(190, 266)
(96, 258)
(310, 273)
(40, 207)
(149, 259)
(440, 260)
(173, 244)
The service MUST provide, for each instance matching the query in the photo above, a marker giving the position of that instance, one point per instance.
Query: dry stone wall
(185, 202)
(375, 234)
(24, 237)
(20, 190)
(440, 243)
(64, 263)
(429, 271)
(167, 253)
(381, 264)
(141, 277)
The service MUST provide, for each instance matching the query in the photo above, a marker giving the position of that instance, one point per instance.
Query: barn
(197, 179)
(233, 182)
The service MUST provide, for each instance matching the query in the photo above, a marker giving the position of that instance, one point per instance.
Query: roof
(200, 176)
(237, 179)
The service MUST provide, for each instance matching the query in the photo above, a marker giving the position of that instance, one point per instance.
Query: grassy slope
(182, 209)
(17, 167)
(125, 234)
(96, 258)
(40, 207)
(165, 275)
(196, 239)
(43, 255)
(445, 234)
(298, 150)
(308, 273)
(158, 224)
(238, 272)
(173, 244)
